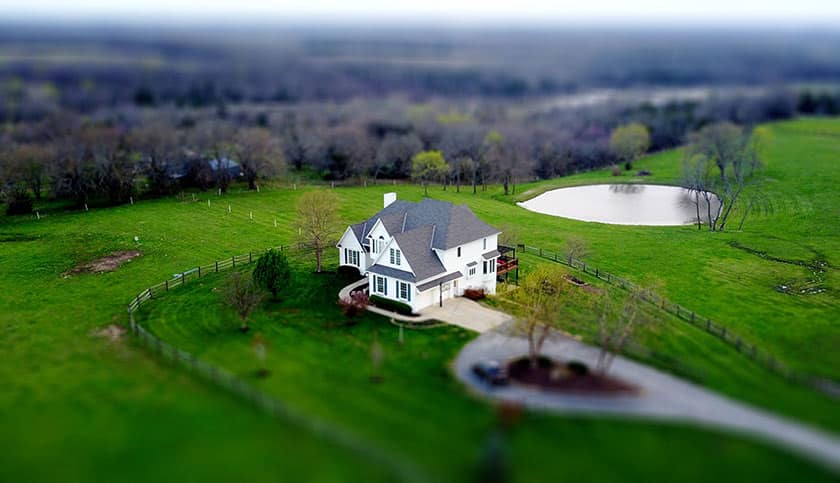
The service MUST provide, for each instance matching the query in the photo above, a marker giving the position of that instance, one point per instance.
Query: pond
(625, 204)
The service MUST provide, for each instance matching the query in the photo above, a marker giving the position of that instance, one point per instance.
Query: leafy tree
(427, 166)
(241, 293)
(318, 222)
(629, 142)
(158, 145)
(272, 272)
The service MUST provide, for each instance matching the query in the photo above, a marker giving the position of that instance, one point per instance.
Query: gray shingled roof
(416, 246)
(392, 272)
(491, 254)
(419, 227)
(434, 283)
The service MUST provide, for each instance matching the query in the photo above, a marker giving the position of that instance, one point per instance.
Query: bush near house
(358, 302)
(474, 294)
(392, 305)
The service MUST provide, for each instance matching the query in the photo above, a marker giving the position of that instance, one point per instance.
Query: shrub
(357, 303)
(272, 272)
(643, 172)
(616, 171)
(577, 367)
(18, 202)
(474, 293)
(391, 305)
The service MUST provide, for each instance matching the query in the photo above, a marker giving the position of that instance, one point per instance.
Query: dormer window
(396, 256)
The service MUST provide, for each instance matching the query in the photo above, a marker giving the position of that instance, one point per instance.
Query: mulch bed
(572, 378)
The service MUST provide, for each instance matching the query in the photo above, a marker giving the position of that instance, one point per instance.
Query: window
(381, 285)
(459, 251)
(404, 291)
(395, 256)
(485, 244)
(492, 265)
(351, 257)
(484, 266)
(472, 272)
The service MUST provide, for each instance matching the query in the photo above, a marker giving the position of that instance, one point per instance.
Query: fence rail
(403, 470)
(761, 357)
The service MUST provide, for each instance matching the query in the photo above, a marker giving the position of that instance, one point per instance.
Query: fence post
(596, 274)
(217, 266)
(584, 266)
(541, 252)
(150, 292)
(608, 277)
(233, 261)
(708, 325)
(692, 317)
(723, 332)
(167, 284)
(250, 259)
(199, 271)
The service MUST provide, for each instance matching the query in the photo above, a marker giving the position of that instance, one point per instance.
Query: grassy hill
(105, 409)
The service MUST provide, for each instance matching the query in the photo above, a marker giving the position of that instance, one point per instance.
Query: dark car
(490, 372)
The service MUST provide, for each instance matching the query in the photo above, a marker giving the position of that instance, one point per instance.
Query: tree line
(127, 152)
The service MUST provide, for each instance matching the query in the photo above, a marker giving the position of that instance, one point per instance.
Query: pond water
(624, 204)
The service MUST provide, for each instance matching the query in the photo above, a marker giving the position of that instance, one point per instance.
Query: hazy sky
(780, 12)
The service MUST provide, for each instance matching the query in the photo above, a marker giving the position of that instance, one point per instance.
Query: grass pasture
(105, 410)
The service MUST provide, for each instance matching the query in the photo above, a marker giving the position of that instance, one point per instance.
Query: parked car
(491, 373)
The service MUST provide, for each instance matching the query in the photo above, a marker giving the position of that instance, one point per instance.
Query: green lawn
(106, 410)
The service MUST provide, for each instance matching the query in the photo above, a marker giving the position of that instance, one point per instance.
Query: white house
(422, 253)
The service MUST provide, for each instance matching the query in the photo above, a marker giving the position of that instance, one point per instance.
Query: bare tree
(576, 248)
(241, 293)
(258, 153)
(214, 139)
(160, 152)
(318, 222)
(393, 157)
(28, 163)
(544, 294)
(116, 170)
(615, 329)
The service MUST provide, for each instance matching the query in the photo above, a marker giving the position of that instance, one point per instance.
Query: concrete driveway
(663, 396)
(466, 313)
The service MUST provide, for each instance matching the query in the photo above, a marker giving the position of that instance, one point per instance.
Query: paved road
(663, 396)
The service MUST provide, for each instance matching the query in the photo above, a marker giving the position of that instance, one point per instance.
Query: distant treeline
(84, 69)
(128, 152)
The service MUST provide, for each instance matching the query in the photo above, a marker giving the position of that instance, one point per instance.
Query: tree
(393, 157)
(214, 139)
(427, 166)
(629, 142)
(272, 272)
(116, 169)
(544, 292)
(576, 248)
(615, 329)
(28, 164)
(317, 220)
(698, 179)
(158, 144)
(241, 293)
(736, 154)
(258, 153)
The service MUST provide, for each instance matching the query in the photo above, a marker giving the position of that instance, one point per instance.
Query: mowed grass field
(107, 410)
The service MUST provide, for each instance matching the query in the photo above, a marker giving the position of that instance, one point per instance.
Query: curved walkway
(663, 396)
(456, 311)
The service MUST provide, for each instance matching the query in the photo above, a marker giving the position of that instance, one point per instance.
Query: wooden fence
(760, 356)
(402, 470)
